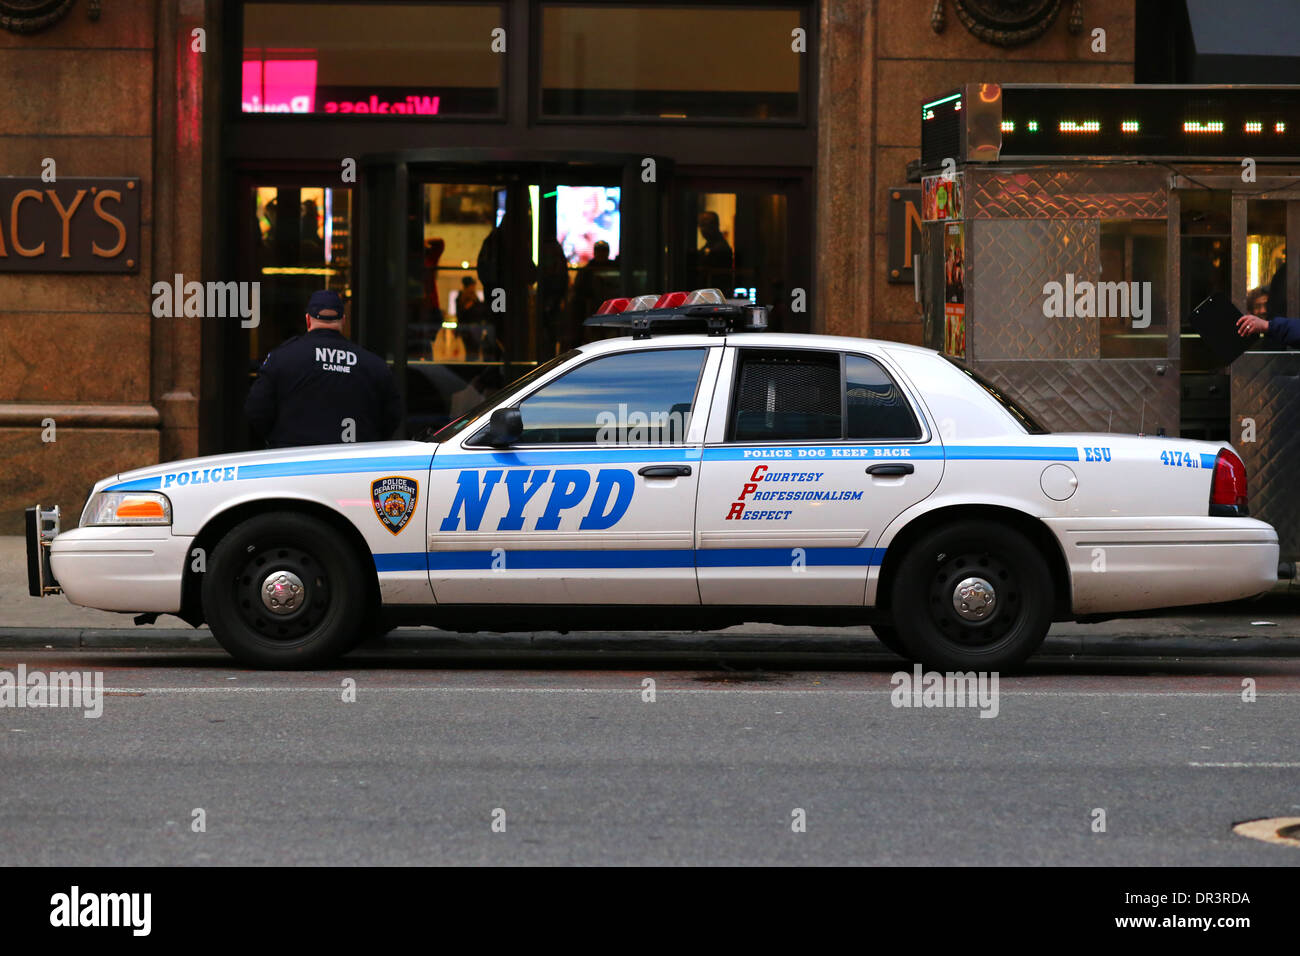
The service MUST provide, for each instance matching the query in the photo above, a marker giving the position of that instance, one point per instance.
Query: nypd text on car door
(589, 496)
(810, 455)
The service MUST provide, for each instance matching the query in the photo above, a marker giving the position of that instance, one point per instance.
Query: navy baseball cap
(325, 301)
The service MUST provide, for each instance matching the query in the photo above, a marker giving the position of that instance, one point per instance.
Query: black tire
(333, 594)
(932, 629)
(887, 634)
(378, 625)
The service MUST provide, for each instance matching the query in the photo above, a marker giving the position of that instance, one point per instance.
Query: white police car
(697, 474)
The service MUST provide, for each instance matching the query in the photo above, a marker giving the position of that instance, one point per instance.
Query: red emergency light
(666, 300)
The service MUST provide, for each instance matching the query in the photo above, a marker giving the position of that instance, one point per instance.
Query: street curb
(668, 643)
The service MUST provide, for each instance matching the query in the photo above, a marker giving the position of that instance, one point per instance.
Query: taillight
(1228, 486)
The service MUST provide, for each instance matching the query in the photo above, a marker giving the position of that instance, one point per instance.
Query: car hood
(142, 477)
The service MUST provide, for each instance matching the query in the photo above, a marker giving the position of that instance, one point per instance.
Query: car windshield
(1027, 421)
(456, 426)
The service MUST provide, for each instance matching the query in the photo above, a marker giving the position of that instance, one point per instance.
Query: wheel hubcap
(974, 599)
(283, 592)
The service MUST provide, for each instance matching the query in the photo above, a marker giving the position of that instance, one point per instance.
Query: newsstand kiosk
(1068, 232)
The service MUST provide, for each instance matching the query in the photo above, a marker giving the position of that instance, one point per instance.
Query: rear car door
(595, 503)
(817, 452)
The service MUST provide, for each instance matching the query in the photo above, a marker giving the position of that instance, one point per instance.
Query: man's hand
(1248, 325)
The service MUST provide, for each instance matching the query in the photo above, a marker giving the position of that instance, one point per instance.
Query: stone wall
(112, 97)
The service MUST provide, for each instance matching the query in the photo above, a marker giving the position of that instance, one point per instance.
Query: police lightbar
(702, 309)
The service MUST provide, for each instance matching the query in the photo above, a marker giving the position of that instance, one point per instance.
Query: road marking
(1289, 765)
(1270, 831)
(1230, 693)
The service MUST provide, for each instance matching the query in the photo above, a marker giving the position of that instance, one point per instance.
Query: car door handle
(887, 469)
(665, 471)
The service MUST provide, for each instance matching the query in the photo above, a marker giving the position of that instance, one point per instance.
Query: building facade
(473, 177)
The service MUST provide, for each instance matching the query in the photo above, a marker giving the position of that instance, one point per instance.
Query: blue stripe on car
(345, 466)
(333, 466)
(643, 558)
(541, 456)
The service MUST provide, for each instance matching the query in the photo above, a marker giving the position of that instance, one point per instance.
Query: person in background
(1277, 291)
(594, 283)
(1279, 330)
(1257, 302)
(311, 387)
(467, 299)
(474, 324)
(716, 258)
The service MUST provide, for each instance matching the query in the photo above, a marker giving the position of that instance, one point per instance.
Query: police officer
(321, 388)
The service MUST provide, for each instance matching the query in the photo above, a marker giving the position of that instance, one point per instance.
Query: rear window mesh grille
(788, 396)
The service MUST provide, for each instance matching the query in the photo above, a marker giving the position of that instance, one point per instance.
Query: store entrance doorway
(500, 262)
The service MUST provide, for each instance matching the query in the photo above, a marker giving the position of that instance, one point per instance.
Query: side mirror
(505, 427)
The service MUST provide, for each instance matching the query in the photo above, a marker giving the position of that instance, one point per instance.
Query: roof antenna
(1109, 419)
(1143, 419)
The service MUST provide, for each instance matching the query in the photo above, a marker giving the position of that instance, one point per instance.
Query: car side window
(875, 407)
(630, 398)
(787, 395)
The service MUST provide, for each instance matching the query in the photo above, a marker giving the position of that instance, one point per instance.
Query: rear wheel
(972, 596)
(285, 591)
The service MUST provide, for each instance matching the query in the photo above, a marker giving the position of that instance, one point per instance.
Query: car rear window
(812, 395)
(874, 404)
(787, 396)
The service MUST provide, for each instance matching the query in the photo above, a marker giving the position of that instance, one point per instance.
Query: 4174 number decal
(1180, 459)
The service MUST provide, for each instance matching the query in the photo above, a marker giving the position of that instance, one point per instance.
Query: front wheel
(972, 596)
(284, 591)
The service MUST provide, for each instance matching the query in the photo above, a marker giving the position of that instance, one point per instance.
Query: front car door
(595, 503)
(808, 457)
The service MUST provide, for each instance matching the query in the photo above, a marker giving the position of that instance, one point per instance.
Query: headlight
(127, 508)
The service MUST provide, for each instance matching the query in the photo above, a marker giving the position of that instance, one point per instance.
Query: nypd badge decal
(394, 500)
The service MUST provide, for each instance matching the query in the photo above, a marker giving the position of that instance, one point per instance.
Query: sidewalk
(1269, 626)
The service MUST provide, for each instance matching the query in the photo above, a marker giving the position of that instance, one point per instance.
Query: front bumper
(42, 528)
(121, 568)
(1136, 564)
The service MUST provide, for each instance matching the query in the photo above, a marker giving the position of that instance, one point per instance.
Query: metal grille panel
(1127, 192)
(1266, 388)
(788, 395)
(1111, 395)
(1008, 264)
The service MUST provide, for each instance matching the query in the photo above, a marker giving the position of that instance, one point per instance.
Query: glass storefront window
(1131, 303)
(455, 339)
(502, 276)
(671, 62)
(397, 60)
(1266, 257)
(735, 240)
(1205, 265)
(302, 243)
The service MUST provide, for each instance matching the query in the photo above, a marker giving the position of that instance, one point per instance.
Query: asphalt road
(587, 771)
